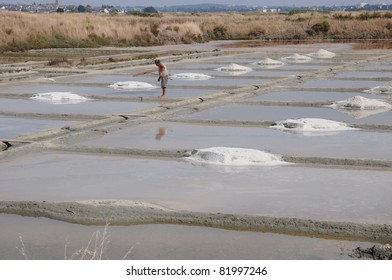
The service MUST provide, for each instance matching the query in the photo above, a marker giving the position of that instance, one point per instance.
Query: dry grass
(94, 250)
(19, 31)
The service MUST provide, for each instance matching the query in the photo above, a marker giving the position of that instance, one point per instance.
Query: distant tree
(89, 9)
(150, 10)
(60, 10)
(81, 9)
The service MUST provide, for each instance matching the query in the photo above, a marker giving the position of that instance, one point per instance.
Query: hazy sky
(160, 3)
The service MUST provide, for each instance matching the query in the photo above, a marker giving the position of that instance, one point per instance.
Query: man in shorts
(163, 76)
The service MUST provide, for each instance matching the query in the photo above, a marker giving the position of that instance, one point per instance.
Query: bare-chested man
(163, 76)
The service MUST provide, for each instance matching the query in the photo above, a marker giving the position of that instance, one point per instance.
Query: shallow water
(160, 135)
(13, 127)
(53, 240)
(331, 83)
(90, 107)
(312, 96)
(278, 113)
(365, 74)
(330, 194)
(103, 90)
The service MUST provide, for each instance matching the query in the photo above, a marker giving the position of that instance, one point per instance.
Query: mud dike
(277, 101)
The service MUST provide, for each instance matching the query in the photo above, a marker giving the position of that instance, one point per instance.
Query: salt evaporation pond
(167, 135)
(98, 90)
(33, 88)
(275, 113)
(365, 74)
(280, 191)
(331, 194)
(292, 95)
(332, 83)
(85, 108)
(12, 127)
(46, 239)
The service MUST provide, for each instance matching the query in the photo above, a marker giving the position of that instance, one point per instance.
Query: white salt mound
(132, 85)
(234, 67)
(322, 54)
(127, 203)
(46, 80)
(235, 157)
(384, 89)
(269, 61)
(297, 58)
(191, 76)
(59, 98)
(361, 103)
(311, 125)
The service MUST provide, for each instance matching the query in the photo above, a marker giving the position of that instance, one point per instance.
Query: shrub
(256, 33)
(154, 29)
(343, 17)
(367, 16)
(220, 32)
(318, 28)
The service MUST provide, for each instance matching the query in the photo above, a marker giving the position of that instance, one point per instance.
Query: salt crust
(361, 103)
(269, 61)
(235, 157)
(321, 53)
(59, 98)
(297, 58)
(126, 203)
(384, 89)
(190, 76)
(132, 85)
(311, 125)
(234, 67)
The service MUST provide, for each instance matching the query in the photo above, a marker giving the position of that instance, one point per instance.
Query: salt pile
(132, 85)
(311, 125)
(235, 68)
(46, 80)
(297, 58)
(360, 107)
(191, 76)
(59, 98)
(269, 61)
(361, 103)
(322, 54)
(384, 89)
(235, 157)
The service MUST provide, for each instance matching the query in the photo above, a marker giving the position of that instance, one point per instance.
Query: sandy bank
(133, 212)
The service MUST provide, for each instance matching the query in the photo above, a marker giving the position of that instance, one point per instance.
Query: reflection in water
(161, 133)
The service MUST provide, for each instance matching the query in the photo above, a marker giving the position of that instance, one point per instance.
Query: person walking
(163, 76)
